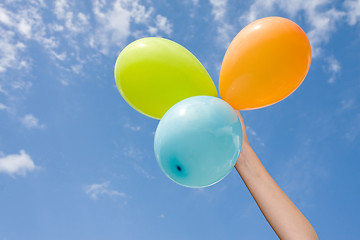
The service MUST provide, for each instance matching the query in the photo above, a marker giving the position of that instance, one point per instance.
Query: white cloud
(353, 11)
(347, 104)
(250, 130)
(54, 27)
(16, 164)
(323, 24)
(77, 68)
(3, 107)
(334, 68)
(60, 8)
(97, 189)
(4, 16)
(58, 56)
(69, 31)
(195, 2)
(140, 13)
(225, 30)
(3, 91)
(257, 10)
(138, 168)
(320, 16)
(163, 24)
(136, 155)
(251, 134)
(133, 152)
(132, 128)
(152, 30)
(21, 85)
(353, 128)
(24, 19)
(22, 23)
(114, 24)
(334, 65)
(218, 9)
(30, 121)
(10, 50)
(75, 23)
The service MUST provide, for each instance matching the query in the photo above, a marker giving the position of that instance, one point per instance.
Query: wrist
(246, 155)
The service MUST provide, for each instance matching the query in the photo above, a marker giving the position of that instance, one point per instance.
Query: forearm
(283, 216)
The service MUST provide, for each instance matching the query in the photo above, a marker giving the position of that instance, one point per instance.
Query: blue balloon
(198, 141)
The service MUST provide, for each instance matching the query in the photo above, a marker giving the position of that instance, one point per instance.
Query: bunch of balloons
(199, 137)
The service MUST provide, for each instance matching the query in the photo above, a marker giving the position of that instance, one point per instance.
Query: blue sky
(77, 162)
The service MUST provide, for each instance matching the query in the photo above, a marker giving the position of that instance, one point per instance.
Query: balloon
(264, 63)
(198, 141)
(152, 74)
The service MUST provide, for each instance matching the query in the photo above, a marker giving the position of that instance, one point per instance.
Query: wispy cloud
(195, 2)
(133, 153)
(107, 26)
(334, 68)
(353, 127)
(114, 22)
(253, 135)
(136, 156)
(138, 168)
(30, 121)
(353, 11)
(24, 21)
(347, 104)
(64, 30)
(218, 9)
(3, 91)
(16, 164)
(224, 29)
(97, 189)
(132, 127)
(21, 24)
(10, 50)
(163, 24)
(4, 107)
(73, 22)
(320, 16)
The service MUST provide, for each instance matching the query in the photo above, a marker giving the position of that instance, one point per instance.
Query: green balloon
(153, 74)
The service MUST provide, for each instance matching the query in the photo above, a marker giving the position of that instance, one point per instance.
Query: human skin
(281, 213)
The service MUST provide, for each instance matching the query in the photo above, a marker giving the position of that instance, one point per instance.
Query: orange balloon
(265, 63)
